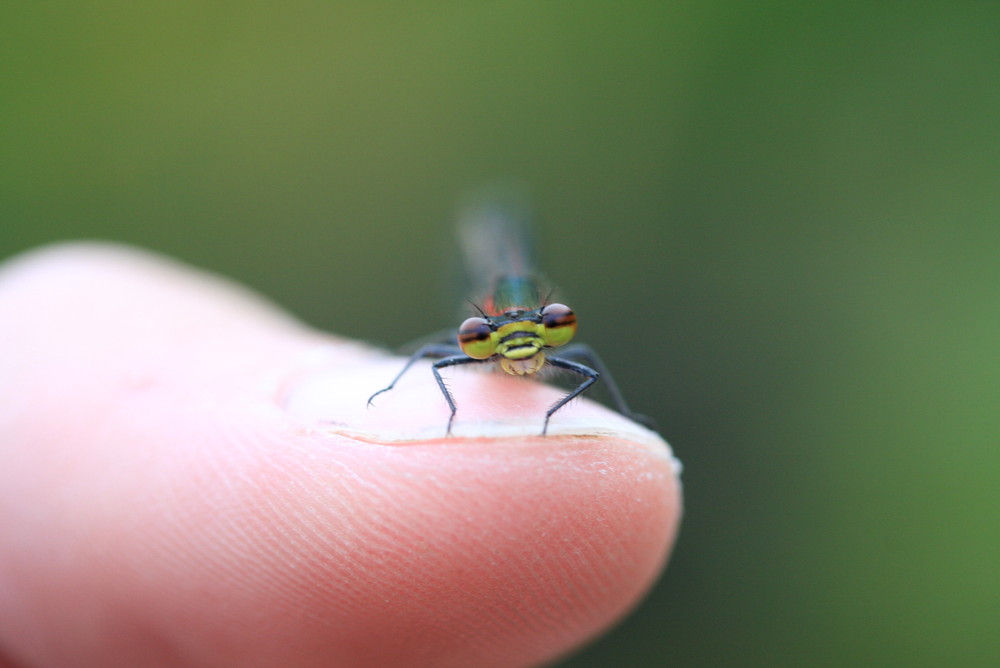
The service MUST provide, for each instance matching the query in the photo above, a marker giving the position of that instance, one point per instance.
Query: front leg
(432, 351)
(590, 377)
(455, 360)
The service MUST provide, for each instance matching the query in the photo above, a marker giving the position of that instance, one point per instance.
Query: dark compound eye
(558, 324)
(476, 338)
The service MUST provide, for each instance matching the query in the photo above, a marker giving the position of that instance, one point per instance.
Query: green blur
(779, 224)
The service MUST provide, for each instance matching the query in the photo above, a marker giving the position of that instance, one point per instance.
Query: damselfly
(516, 326)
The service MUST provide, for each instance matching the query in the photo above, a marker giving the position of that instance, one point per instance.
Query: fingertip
(469, 551)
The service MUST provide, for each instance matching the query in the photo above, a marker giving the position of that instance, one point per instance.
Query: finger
(189, 477)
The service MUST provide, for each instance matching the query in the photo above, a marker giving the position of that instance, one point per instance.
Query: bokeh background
(778, 222)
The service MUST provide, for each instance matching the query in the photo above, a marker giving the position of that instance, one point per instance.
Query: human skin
(190, 477)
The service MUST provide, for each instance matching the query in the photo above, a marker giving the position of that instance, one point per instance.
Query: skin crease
(177, 489)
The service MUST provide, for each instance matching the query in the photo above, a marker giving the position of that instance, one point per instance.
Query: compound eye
(558, 325)
(476, 338)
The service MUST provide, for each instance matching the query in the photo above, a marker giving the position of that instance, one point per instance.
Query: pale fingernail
(331, 394)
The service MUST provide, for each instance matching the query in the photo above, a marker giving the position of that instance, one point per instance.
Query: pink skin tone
(189, 477)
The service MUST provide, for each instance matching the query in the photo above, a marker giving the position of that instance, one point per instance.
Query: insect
(516, 327)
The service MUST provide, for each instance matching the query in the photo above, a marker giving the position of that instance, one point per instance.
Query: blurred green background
(777, 221)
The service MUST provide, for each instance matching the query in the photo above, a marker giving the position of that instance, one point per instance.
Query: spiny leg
(586, 354)
(433, 350)
(590, 377)
(446, 362)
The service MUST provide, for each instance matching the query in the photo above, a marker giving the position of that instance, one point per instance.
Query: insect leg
(432, 350)
(446, 362)
(590, 377)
